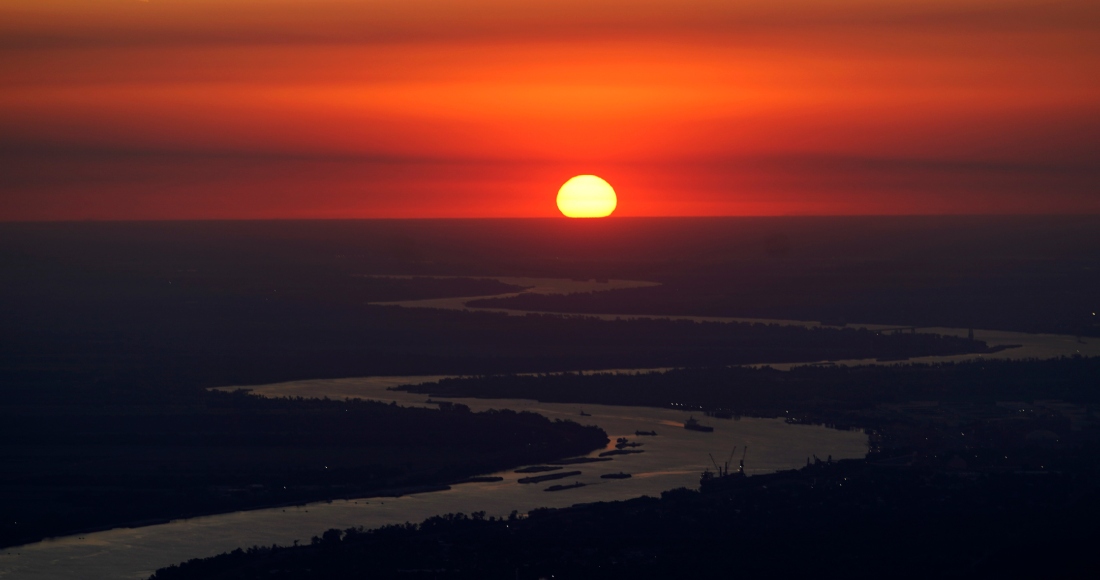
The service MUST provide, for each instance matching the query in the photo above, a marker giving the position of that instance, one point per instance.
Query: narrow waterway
(1024, 345)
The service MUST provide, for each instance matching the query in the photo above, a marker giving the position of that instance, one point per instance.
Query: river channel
(673, 458)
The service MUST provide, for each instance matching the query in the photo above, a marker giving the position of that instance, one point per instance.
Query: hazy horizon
(330, 109)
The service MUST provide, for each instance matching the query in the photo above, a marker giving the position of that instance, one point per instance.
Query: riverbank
(92, 468)
(674, 458)
(854, 518)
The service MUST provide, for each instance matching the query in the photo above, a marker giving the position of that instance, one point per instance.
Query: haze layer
(292, 109)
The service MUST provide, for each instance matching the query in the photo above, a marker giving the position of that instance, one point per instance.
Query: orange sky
(181, 109)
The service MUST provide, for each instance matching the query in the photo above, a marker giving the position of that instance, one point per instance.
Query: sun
(586, 196)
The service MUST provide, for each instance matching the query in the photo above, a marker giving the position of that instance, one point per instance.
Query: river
(674, 458)
(1025, 345)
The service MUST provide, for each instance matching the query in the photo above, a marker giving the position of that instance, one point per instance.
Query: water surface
(674, 458)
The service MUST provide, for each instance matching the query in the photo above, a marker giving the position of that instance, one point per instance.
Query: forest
(931, 408)
(849, 519)
(977, 470)
(763, 391)
(77, 468)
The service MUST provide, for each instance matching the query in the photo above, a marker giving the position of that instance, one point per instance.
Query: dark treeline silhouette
(110, 331)
(995, 403)
(160, 354)
(61, 351)
(1025, 273)
(79, 467)
(963, 496)
(1048, 297)
(850, 519)
(769, 392)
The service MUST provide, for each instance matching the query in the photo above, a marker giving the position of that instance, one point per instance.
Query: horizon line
(547, 218)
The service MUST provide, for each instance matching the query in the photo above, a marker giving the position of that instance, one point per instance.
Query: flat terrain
(850, 519)
(111, 334)
(78, 468)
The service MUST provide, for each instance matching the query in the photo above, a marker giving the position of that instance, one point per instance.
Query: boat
(583, 414)
(621, 452)
(722, 478)
(692, 425)
(537, 468)
(481, 479)
(646, 433)
(619, 475)
(548, 477)
(573, 485)
(577, 460)
(622, 442)
(720, 414)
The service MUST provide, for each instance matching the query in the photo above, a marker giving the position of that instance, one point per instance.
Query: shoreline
(138, 524)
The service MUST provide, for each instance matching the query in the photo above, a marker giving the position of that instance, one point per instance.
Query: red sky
(182, 109)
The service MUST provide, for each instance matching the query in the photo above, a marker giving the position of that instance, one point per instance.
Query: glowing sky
(180, 109)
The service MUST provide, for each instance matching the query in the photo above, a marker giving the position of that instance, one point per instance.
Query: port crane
(723, 479)
(724, 469)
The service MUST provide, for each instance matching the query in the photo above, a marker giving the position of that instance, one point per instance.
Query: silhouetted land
(763, 390)
(1028, 273)
(79, 467)
(109, 332)
(1030, 296)
(88, 310)
(994, 402)
(851, 519)
(964, 483)
(150, 353)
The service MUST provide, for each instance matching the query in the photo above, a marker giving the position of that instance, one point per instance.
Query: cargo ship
(622, 442)
(542, 478)
(619, 475)
(537, 468)
(481, 479)
(692, 425)
(621, 452)
(563, 487)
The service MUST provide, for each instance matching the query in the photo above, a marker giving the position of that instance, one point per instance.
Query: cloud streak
(243, 108)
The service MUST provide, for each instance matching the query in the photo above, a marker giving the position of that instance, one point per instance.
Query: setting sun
(586, 196)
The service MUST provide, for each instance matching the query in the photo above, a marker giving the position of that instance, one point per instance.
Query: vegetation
(71, 468)
(969, 493)
(1022, 300)
(850, 519)
(772, 393)
(993, 403)
(109, 334)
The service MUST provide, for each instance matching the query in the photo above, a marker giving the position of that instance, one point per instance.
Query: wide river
(674, 458)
